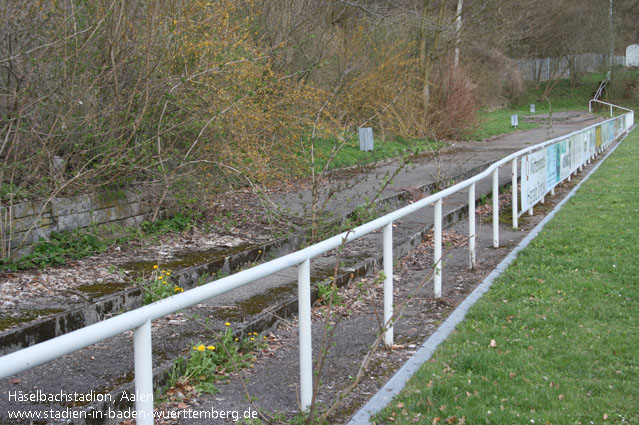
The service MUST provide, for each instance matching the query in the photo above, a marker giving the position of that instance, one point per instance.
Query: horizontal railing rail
(139, 320)
(608, 104)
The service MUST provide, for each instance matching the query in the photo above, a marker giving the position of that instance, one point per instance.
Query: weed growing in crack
(328, 293)
(208, 364)
(160, 286)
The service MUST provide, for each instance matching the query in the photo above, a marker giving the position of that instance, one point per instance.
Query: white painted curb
(426, 350)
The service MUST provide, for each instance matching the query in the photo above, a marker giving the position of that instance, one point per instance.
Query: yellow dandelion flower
(201, 347)
(252, 339)
(236, 339)
(168, 273)
(163, 271)
(211, 347)
(160, 277)
(155, 267)
(227, 324)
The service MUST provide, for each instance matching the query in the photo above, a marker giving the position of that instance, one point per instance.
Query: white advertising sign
(611, 131)
(585, 150)
(575, 151)
(533, 178)
(552, 166)
(564, 159)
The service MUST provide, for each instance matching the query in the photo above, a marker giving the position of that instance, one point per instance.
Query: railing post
(437, 242)
(143, 367)
(496, 208)
(388, 283)
(552, 191)
(471, 225)
(514, 194)
(305, 335)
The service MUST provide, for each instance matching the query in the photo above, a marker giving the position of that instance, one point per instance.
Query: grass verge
(350, 155)
(555, 340)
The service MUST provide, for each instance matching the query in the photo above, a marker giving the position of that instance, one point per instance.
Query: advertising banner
(575, 151)
(585, 147)
(598, 137)
(611, 131)
(533, 178)
(552, 166)
(541, 171)
(618, 125)
(564, 159)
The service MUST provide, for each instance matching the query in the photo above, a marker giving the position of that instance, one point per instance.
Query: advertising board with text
(533, 178)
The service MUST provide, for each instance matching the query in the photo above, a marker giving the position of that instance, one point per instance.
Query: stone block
(22, 224)
(74, 221)
(116, 213)
(133, 221)
(26, 209)
(74, 205)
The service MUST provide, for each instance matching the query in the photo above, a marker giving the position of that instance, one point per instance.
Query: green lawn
(564, 319)
(349, 153)
(497, 122)
(563, 97)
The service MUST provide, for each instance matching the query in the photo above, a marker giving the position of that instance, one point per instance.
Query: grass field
(556, 339)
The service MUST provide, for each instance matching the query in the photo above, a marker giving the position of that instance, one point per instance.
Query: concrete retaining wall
(123, 208)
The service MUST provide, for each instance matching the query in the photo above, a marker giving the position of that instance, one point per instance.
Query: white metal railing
(611, 106)
(601, 87)
(139, 320)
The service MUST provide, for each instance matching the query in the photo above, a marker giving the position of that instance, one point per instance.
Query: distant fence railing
(543, 166)
(542, 69)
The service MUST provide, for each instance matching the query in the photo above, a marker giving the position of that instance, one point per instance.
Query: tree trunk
(427, 56)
